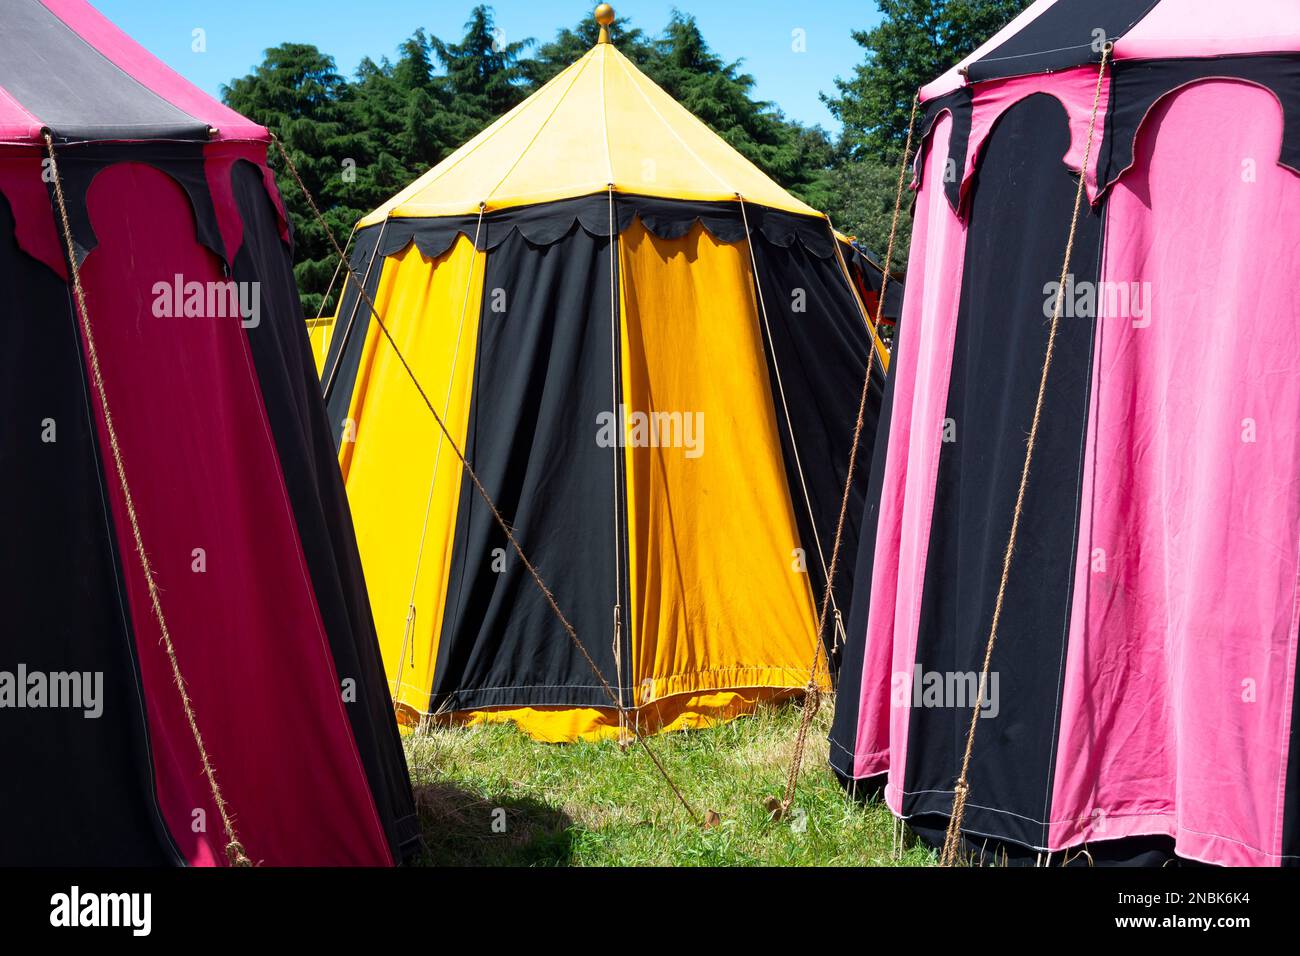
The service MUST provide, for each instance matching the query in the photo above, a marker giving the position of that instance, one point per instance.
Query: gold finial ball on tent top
(605, 17)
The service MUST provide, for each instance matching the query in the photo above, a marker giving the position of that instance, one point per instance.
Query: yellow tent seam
(604, 116)
(622, 61)
(585, 61)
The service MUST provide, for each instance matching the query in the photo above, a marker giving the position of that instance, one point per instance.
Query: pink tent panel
(1176, 714)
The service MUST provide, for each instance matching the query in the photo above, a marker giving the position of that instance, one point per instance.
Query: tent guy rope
(483, 492)
(616, 398)
(320, 322)
(234, 849)
(813, 700)
(780, 384)
(952, 840)
(327, 380)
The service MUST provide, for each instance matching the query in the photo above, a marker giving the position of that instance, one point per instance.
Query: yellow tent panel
(719, 599)
(402, 475)
(319, 333)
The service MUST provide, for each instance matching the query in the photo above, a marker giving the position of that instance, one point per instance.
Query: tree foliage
(916, 42)
(298, 93)
(359, 140)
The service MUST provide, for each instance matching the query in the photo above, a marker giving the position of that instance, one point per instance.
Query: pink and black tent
(224, 444)
(1142, 687)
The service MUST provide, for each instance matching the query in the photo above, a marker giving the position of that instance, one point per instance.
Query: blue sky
(759, 31)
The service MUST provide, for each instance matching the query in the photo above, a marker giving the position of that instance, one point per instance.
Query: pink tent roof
(1052, 35)
(65, 67)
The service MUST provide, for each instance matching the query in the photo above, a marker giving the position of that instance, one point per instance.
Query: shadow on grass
(463, 829)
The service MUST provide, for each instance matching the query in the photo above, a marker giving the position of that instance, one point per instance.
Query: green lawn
(597, 805)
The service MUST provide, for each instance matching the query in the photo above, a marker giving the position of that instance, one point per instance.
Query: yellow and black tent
(652, 357)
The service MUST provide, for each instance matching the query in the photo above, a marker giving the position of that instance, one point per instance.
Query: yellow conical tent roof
(600, 122)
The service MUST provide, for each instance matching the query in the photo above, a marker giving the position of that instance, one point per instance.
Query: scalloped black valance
(960, 105)
(547, 223)
(183, 162)
(1136, 88)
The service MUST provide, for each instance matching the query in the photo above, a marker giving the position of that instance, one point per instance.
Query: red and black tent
(217, 478)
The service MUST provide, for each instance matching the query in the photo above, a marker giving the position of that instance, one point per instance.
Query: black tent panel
(844, 725)
(543, 377)
(818, 347)
(1134, 851)
(351, 325)
(1022, 198)
(1069, 33)
(287, 377)
(77, 778)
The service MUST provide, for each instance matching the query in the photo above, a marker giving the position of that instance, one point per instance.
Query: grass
(597, 805)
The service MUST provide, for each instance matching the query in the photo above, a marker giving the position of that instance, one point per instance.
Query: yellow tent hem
(567, 725)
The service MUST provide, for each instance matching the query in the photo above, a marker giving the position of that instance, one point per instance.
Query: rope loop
(236, 855)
